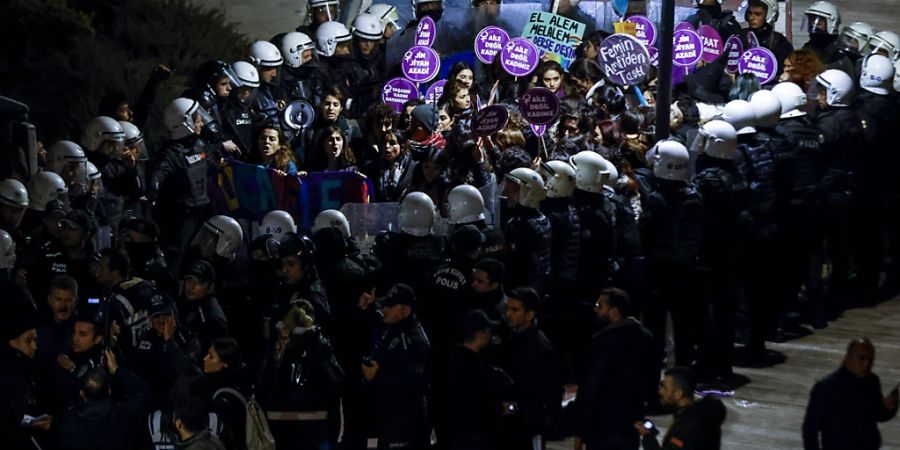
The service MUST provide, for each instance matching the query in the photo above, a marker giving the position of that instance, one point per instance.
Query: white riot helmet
(13, 193)
(367, 26)
(246, 73)
(610, 180)
(837, 85)
(792, 99)
(265, 54)
(716, 138)
(855, 38)
(103, 129)
(277, 223)
(7, 251)
(822, 12)
(672, 161)
(877, 74)
(416, 215)
(63, 153)
(179, 117)
(530, 184)
(771, 10)
(221, 235)
(329, 35)
(387, 14)
(293, 45)
(740, 115)
(332, 9)
(466, 204)
(766, 108)
(93, 172)
(559, 177)
(885, 43)
(591, 171)
(43, 188)
(332, 218)
(134, 139)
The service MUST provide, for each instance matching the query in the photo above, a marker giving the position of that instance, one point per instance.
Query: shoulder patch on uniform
(677, 442)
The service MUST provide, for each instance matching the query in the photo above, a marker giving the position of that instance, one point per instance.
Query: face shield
(113, 148)
(199, 117)
(74, 173)
(700, 141)
(814, 24)
(851, 42)
(881, 47)
(510, 188)
(325, 13)
(205, 240)
(137, 147)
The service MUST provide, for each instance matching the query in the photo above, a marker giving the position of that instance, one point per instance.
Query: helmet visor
(851, 41)
(325, 13)
(700, 142)
(814, 24)
(205, 241)
(74, 173)
(881, 47)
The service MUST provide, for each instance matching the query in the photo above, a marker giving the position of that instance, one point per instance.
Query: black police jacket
(697, 427)
(566, 239)
(528, 237)
(180, 173)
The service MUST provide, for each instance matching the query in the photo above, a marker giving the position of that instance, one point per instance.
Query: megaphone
(298, 115)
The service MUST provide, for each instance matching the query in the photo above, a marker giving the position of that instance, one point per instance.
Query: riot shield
(368, 219)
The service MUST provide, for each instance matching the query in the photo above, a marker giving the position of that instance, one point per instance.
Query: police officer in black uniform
(709, 12)
(528, 231)
(466, 207)
(671, 232)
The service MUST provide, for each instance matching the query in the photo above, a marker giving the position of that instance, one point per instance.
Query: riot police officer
(527, 230)
(267, 99)
(799, 169)
(671, 232)
(367, 34)
(722, 187)
(761, 16)
(178, 181)
(212, 85)
(709, 12)
(237, 117)
(845, 133)
(821, 20)
(466, 207)
(415, 251)
(597, 215)
(756, 162)
(302, 77)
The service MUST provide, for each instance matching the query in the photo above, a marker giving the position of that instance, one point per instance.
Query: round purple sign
(420, 64)
(688, 48)
(489, 120)
(435, 91)
(426, 32)
(734, 48)
(761, 62)
(489, 42)
(680, 73)
(398, 91)
(624, 59)
(712, 43)
(539, 130)
(645, 29)
(654, 56)
(539, 106)
(684, 26)
(752, 40)
(519, 57)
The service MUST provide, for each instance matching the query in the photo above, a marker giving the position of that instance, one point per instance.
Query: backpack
(259, 437)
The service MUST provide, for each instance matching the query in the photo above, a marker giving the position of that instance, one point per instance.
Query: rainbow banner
(249, 191)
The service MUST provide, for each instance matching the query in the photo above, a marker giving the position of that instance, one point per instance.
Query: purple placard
(489, 42)
(519, 57)
(426, 32)
(761, 62)
(734, 48)
(539, 106)
(645, 30)
(712, 43)
(489, 120)
(654, 56)
(684, 26)
(680, 73)
(435, 91)
(539, 130)
(688, 48)
(752, 40)
(624, 60)
(420, 64)
(398, 91)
